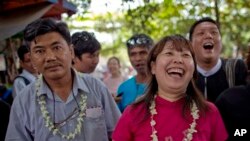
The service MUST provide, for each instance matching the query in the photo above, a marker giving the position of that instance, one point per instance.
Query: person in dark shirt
(213, 76)
(4, 118)
(234, 106)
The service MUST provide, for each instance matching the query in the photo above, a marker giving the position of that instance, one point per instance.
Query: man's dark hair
(43, 26)
(85, 42)
(141, 40)
(21, 51)
(205, 19)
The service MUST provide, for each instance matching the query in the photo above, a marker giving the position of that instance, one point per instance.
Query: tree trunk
(217, 13)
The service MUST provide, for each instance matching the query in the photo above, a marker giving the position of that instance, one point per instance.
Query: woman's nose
(178, 59)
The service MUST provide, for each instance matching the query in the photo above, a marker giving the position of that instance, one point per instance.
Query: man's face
(88, 62)
(27, 64)
(206, 40)
(51, 55)
(138, 58)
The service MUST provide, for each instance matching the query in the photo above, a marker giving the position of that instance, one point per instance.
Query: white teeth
(208, 44)
(176, 70)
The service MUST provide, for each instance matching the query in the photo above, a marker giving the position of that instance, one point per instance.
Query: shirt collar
(28, 74)
(211, 71)
(78, 84)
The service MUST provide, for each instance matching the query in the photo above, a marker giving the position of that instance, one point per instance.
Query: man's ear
(72, 51)
(21, 63)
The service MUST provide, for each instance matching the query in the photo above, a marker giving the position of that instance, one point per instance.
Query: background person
(4, 118)
(29, 73)
(6, 94)
(138, 47)
(87, 49)
(115, 78)
(172, 108)
(212, 77)
(248, 64)
(61, 104)
(234, 106)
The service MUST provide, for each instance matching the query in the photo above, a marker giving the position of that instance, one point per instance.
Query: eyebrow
(54, 43)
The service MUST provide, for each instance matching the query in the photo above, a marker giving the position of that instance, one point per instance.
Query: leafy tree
(174, 17)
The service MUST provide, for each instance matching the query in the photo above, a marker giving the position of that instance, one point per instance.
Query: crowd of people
(182, 91)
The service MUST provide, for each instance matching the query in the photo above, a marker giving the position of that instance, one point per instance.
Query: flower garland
(190, 131)
(48, 122)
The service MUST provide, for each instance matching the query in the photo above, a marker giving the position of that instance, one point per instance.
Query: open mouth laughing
(208, 45)
(176, 72)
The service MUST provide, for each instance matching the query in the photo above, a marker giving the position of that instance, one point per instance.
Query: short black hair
(85, 42)
(43, 26)
(141, 40)
(205, 19)
(21, 51)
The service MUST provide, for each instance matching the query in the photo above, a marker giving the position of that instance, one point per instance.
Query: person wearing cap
(138, 47)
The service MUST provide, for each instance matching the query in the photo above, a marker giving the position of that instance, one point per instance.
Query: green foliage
(158, 19)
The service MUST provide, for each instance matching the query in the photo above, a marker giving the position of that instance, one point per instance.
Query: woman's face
(173, 70)
(113, 66)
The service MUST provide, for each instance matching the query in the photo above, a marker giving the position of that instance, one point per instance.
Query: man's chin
(209, 59)
(141, 70)
(53, 75)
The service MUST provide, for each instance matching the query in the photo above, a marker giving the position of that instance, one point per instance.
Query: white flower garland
(48, 122)
(190, 131)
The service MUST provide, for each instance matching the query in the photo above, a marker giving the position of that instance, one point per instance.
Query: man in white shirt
(28, 74)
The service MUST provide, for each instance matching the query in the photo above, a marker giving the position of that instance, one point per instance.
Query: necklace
(189, 135)
(48, 122)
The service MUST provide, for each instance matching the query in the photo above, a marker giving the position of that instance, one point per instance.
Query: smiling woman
(172, 107)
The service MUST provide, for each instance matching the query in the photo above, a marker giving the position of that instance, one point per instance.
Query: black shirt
(234, 106)
(217, 82)
(4, 118)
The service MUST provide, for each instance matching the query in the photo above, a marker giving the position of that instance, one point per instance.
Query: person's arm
(17, 131)
(111, 111)
(123, 128)
(120, 92)
(118, 97)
